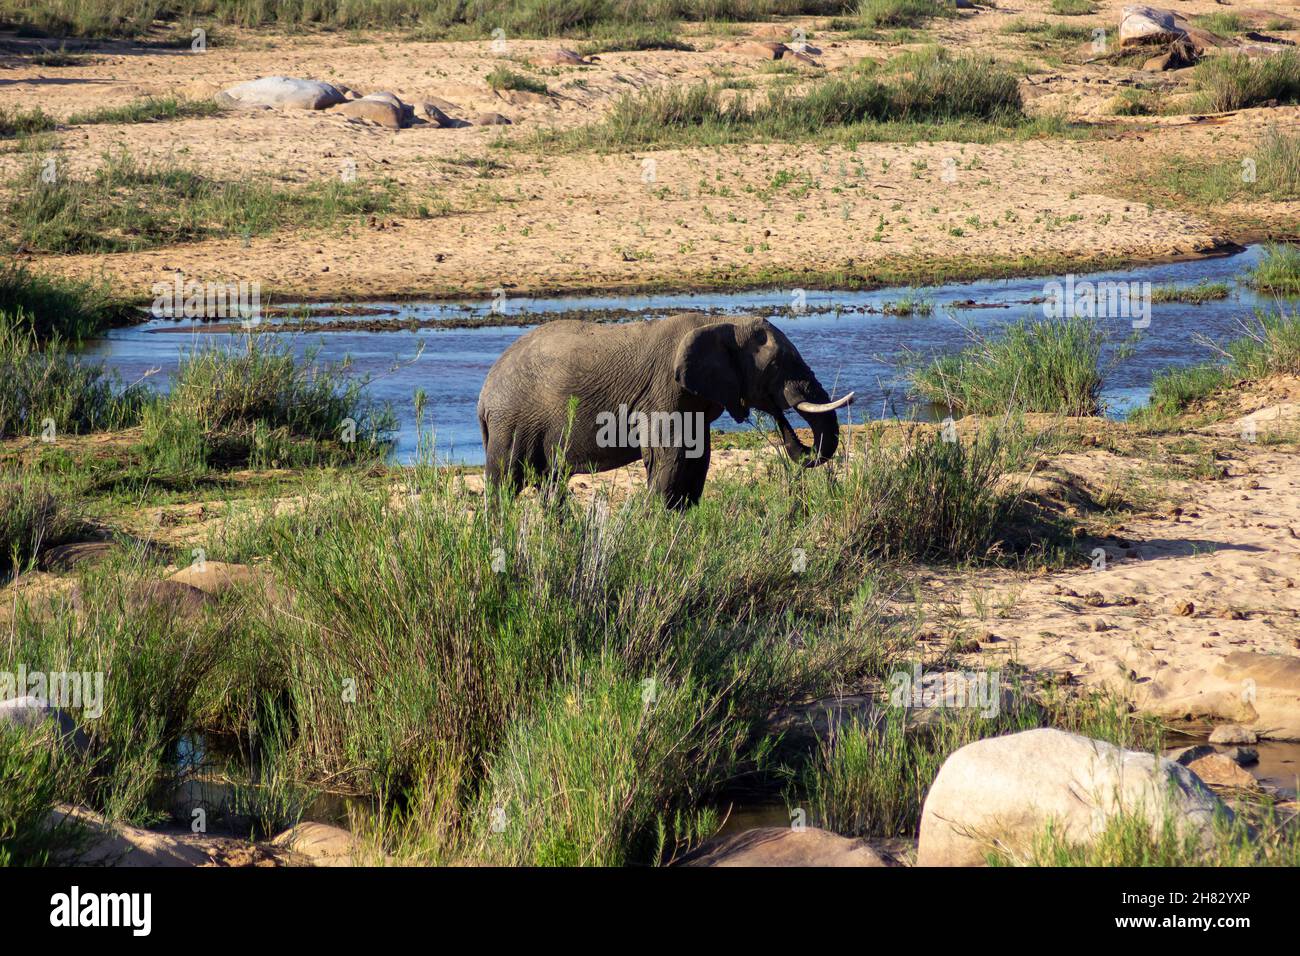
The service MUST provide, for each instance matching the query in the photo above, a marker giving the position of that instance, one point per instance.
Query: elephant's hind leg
(505, 467)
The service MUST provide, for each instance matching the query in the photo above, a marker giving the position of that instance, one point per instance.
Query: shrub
(35, 516)
(46, 387)
(54, 307)
(259, 405)
(1235, 81)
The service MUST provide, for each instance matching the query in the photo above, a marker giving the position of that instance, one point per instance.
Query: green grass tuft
(1050, 365)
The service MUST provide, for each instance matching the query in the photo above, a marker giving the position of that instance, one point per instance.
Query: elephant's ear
(706, 366)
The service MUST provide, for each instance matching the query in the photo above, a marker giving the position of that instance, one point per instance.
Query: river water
(845, 337)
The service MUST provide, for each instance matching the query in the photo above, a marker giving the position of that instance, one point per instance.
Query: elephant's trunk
(824, 424)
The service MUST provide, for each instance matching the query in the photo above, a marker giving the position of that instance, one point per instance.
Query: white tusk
(808, 408)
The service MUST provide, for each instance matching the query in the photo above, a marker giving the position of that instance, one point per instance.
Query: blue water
(849, 348)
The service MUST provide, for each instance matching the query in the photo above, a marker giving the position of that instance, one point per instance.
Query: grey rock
(283, 92)
(1233, 734)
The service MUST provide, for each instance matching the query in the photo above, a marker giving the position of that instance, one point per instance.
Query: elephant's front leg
(678, 474)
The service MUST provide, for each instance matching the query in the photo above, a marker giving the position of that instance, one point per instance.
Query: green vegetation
(1271, 169)
(1226, 25)
(637, 36)
(44, 390)
(35, 516)
(901, 13)
(1050, 365)
(1201, 292)
(148, 110)
(435, 19)
(1048, 32)
(935, 94)
(1278, 271)
(58, 308)
(35, 775)
(1235, 81)
(1270, 345)
(258, 405)
(16, 123)
(870, 779)
(126, 205)
(1134, 102)
(1130, 840)
(1072, 8)
(502, 78)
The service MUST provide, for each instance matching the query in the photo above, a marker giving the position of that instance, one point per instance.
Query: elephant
(605, 395)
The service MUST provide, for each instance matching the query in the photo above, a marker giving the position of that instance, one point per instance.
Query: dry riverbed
(508, 210)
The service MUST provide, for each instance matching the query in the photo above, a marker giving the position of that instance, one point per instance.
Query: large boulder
(786, 846)
(281, 92)
(1142, 25)
(1003, 791)
(322, 845)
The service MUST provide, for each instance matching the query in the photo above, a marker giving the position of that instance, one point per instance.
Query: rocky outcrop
(281, 92)
(1003, 791)
(785, 846)
(1256, 691)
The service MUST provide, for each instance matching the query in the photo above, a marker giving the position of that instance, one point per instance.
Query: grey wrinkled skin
(686, 363)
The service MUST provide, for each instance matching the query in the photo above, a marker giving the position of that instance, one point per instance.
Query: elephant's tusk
(808, 408)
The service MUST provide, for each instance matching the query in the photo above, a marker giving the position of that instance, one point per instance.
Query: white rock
(1002, 792)
(1233, 734)
(1139, 24)
(282, 92)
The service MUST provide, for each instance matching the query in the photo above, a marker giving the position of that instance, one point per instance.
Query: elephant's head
(748, 363)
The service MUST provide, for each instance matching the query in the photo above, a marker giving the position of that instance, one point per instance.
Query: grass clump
(35, 774)
(1235, 81)
(633, 37)
(258, 405)
(1134, 102)
(901, 13)
(46, 391)
(19, 123)
(1132, 840)
(148, 110)
(1072, 8)
(36, 515)
(1226, 25)
(1269, 345)
(935, 93)
(53, 307)
(502, 78)
(1278, 271)
(870, 778)
(126, 205)
(1270, 170)
(1197, 294)
(1051, 365)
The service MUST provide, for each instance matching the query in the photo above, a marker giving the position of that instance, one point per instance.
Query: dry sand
(540, 219)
